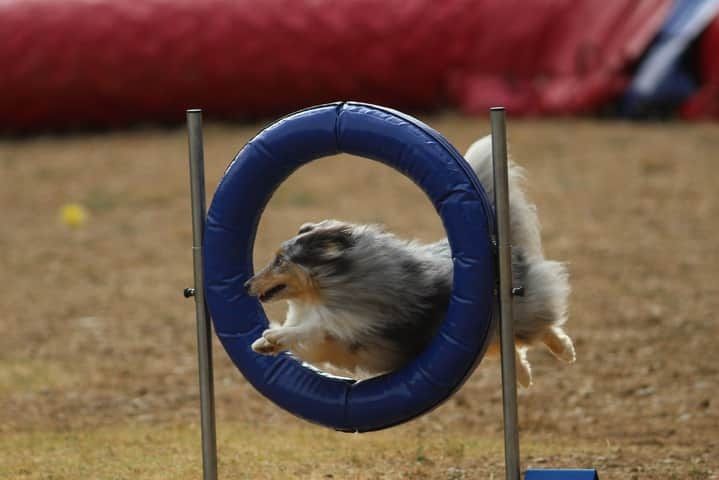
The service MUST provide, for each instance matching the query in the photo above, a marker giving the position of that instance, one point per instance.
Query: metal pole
(506, 328)
(204, 343)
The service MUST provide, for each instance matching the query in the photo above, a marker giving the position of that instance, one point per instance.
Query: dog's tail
(523, 215)
(540, 313)
(479, 156)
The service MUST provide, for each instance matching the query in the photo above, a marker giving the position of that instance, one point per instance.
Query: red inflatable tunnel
(110, 63)
(704, 104)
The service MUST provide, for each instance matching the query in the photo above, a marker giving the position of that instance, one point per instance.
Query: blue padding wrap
(423, 155)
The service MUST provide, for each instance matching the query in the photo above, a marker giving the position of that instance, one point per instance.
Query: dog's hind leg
(524, 370)
(521, 364)
(559, 343)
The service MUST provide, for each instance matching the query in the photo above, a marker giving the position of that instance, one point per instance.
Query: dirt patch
(96, 335)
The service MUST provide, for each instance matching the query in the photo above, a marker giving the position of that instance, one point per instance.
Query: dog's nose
(247, 285)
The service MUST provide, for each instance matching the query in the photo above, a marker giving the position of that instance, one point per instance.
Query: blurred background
(107, 63)
(612, 109)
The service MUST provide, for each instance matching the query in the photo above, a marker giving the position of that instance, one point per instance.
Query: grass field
(97, 369)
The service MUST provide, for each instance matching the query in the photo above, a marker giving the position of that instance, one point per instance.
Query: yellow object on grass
(73, 215)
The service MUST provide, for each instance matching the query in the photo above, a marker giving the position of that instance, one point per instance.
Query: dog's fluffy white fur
(546, 282)
(364, 302)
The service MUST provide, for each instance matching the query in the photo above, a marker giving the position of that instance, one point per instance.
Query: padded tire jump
(418, 152)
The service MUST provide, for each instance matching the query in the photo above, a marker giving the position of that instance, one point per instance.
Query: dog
(363, 302)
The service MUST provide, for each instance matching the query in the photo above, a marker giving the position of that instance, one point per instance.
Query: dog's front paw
(264, 347)
(280, 337)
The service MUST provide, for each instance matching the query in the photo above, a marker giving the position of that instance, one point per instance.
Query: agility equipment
(704, 104)
(665, 78)
(566, 474)
(416, 151)
(481, 253)
(110, 63)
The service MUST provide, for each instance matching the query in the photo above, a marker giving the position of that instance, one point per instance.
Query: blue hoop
(421, 154)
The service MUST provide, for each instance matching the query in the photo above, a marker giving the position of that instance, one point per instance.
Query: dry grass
(97, 370)
(260, 452)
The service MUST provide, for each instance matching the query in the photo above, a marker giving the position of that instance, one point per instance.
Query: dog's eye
(279, 261)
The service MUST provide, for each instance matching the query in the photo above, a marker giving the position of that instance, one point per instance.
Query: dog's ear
(324, 225)
(305, 227)
(326, 241)
(335, 239)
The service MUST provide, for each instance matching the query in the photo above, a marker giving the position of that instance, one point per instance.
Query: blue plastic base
(565, 474)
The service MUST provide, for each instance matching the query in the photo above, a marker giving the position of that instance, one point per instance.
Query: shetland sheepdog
(363, 302)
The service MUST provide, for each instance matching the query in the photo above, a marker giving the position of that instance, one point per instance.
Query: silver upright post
(204, 344)
(506, 329)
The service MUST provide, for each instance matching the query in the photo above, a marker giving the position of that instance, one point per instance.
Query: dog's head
(303, 263)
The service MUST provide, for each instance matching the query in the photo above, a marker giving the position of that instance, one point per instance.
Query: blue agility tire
(420, 153)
